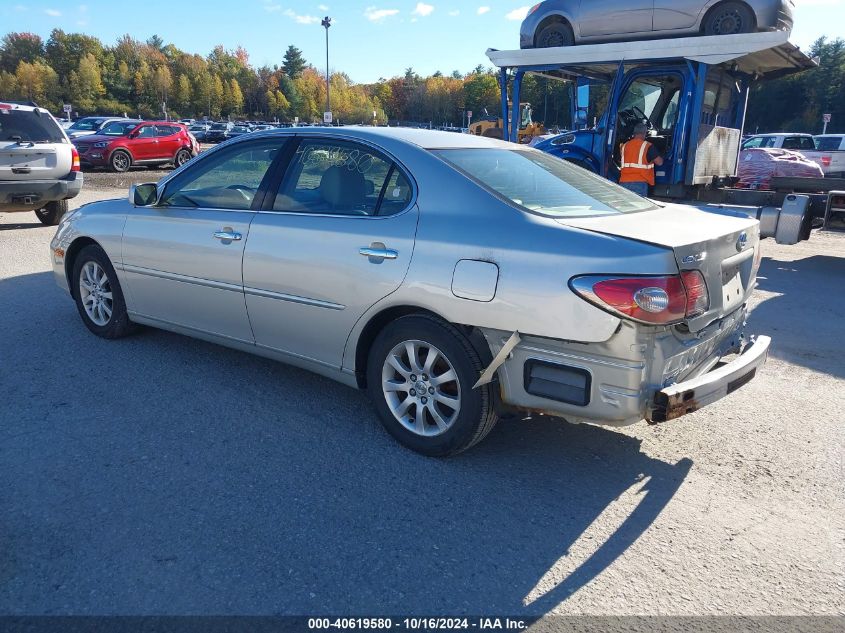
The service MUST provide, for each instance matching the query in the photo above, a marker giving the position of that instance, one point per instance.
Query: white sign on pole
(826, 118)
(469, 113)
(327, 117)
(67, 108)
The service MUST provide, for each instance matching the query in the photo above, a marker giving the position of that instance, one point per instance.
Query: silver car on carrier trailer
(454, 277)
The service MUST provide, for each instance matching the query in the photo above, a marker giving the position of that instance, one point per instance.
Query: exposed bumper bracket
(691, 395)
(501, 357)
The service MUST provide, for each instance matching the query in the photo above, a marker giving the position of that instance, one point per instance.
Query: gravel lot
(162, 475)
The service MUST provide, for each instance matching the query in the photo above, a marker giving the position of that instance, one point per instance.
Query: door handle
(228, 235)
(379, 253)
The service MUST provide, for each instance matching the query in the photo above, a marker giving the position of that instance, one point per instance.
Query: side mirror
(145, 195)
(133, 135)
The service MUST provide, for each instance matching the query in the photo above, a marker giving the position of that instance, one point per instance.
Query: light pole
(327, 22)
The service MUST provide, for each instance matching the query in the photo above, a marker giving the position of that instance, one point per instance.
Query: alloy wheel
(96, 293)
(421, 388)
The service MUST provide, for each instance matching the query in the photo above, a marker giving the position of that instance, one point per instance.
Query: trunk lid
(723, 248)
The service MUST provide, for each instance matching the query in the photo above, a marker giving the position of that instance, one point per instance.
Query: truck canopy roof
(765, 55)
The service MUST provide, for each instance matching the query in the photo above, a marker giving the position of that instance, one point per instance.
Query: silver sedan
(568, 22)
(455, 278)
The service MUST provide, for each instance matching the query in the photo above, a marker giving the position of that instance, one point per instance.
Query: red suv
(121, 144)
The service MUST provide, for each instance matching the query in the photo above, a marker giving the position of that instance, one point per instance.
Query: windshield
(240, 128)
(218, 126)
(86, 125)
(760, 141)
(119, 128)
(828, 143)
(26, 125)
(544, 184)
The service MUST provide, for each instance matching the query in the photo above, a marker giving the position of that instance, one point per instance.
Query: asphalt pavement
(162, 475)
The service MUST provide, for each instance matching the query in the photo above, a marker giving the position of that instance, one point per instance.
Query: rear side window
(798, 142)
(543, 184)
(342, 178)
(26, 125)
(166, 130)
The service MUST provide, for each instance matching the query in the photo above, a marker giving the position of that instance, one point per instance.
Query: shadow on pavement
(162, 475)
(805, 319)
(22, 225)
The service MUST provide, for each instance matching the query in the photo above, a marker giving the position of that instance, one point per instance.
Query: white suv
(39, 167)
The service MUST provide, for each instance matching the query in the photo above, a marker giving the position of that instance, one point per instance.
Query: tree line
(148, 78)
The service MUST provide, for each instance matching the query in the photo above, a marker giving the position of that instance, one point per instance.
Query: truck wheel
(555, 34)
(182, 157)
(420, 374)
(52, 213)
(729, 18)
(98, 296)
(120, 161)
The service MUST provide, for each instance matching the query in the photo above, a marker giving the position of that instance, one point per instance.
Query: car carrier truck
(692, 93)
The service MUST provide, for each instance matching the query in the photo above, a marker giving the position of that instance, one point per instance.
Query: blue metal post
(515, 113)
(503, 85)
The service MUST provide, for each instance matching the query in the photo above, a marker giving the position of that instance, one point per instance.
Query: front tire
(729, 18)
(120, 161)
(555, 34)
(98, 295)
(420, 375)
(52, 213)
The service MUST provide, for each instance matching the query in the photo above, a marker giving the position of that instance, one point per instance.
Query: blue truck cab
(692, 94)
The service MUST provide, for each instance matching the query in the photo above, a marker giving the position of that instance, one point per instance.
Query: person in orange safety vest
(639, 158)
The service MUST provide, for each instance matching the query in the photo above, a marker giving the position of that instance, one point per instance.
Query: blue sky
(369, 39)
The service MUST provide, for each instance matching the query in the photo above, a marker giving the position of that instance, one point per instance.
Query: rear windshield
(118, 128)
(26, 125)
(828, 143)
(544, 184)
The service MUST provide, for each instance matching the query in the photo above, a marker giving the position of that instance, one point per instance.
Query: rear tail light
(75, 159)
(659, 300)
(696, 288)
(826, 160)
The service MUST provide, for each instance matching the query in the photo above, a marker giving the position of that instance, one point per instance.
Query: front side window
(341, 178)
(543, 184)
(118, 128)
(227, 179)
(148, 131)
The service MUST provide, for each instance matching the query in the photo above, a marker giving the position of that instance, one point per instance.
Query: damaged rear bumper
(688, 396)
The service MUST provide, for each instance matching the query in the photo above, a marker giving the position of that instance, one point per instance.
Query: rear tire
(555, 34)
(98, 295)
(120, 161)
(182, 157)
(52, 213)
(427, 402)
(729, 18)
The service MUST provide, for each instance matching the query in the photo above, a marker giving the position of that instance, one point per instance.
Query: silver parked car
(454, 277)
(568, 22)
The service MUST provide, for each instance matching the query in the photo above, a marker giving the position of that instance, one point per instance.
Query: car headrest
(342, 187)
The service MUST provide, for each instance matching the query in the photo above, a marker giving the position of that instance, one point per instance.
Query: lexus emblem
(742, 241)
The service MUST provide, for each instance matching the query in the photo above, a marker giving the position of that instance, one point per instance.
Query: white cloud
(518, 14)
(83, 8)
(423, 9)
(301, 19)
(454, 12)
(322, 7)
(377, 15)
(53, 12)
(483, 10)
(271, 7)
(817, 3)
